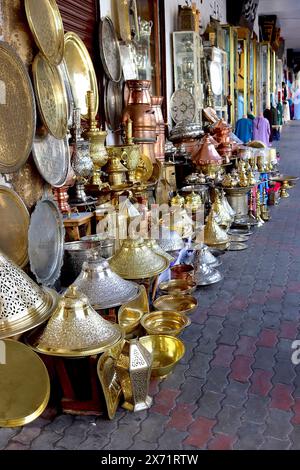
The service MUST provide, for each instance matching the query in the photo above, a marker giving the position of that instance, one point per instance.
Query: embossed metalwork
(74, 330)
(182, 106)
(52, 159)
(106, 369)
(47, 28)
(25, 385)
(75, 254)
(110, 50)
(104, 288)
(46, 242)
(15, 219)
(23, 304)
(17, 111)
(51, 96)
(81, 73)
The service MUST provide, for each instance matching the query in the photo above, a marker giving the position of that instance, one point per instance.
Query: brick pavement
(236, 388)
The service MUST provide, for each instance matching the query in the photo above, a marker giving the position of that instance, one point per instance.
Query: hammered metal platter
(110, 50)
(113, 104)
(46, 242)
(52, 159)
(81, 73)
(17, 111)
(47, 28)
(25, 385)
(65, 76)
(14, 219)
(51, 96)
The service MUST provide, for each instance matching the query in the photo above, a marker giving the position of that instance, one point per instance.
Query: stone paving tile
(236, 386)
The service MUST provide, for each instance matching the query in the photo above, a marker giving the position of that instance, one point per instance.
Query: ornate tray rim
(56, 60)
(172, 100)
(108, 20)
(11, 51)
(55, 70)
(55, 271)
(21, 203)
(71, 36)
(67, 157)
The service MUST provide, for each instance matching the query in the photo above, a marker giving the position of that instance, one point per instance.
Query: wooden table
(78, 225)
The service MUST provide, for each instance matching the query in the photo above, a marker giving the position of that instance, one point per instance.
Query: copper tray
(113, 103)
(46, 242)
(14, 218)
(51, 96)
(52, 159)
(81, 73)
(25, 385)
(47, 28)
(17, 111)
(110, 50)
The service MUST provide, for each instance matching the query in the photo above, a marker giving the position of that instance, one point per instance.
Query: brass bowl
(176, 303)
(165, 323)
(178, 287)
(166, 352)
(129, 319)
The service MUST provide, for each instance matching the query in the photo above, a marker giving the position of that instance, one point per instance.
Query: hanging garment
(286, 112)
(244, 130)
(280, 113)
(261, 130)
(268, 116)
(297, 104)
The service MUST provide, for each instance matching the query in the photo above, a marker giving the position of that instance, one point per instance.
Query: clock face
(183, 106)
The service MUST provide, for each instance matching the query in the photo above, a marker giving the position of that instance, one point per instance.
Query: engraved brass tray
(47, 28)
(52, 159)
(25, 385)
(17, 111)
(51, 96)
(144, 169)
(113, 103)
(14, 219)
(81, 73)
(46, 242)
(110, 50)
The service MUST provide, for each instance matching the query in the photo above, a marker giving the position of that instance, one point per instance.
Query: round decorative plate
(65, 76)
(15, 219)
(113, 103)
(52, 159)
(144, 170)
(25, 385)
(47, 28)
(81, 73)
(183, 106)
(51, 96)
(110, 50)
(17, 111)
(216, 78)
(46, 242)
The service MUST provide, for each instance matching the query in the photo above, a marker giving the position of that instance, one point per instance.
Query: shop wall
(207, 8)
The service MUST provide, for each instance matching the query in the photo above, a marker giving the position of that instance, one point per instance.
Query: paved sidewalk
(236, 387)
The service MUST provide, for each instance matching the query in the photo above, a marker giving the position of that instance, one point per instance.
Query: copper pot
(139, 92)
(156, 102)
(183, 271)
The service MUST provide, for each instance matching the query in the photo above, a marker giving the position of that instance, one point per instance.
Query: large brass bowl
(176, 303)
(129, 319)
(178, 287)
(166, 352)
(165, 323)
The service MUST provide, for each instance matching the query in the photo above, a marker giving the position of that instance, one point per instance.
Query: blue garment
(244, 129)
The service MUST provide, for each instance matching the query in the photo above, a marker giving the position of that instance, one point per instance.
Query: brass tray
(144, 170)
(110, 50)
(51, 96)
(113, 103)
(46, 242)
(81, 73)
(17, 111)
(47, 28)
(25, 385)
(108, 378)
(65, 76)
(14, 218)
(52, 159)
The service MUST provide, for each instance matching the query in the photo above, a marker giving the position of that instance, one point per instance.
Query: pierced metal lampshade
(170, 240)
(23, 304)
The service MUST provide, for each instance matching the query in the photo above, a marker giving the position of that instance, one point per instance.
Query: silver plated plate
(239, 231)
(235, 246)
(110, 50)
(52, 159)
(46, 242)
(238, 238)
(183, 106)
(113, 103)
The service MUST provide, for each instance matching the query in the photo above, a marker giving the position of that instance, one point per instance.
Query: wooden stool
(78, 225)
